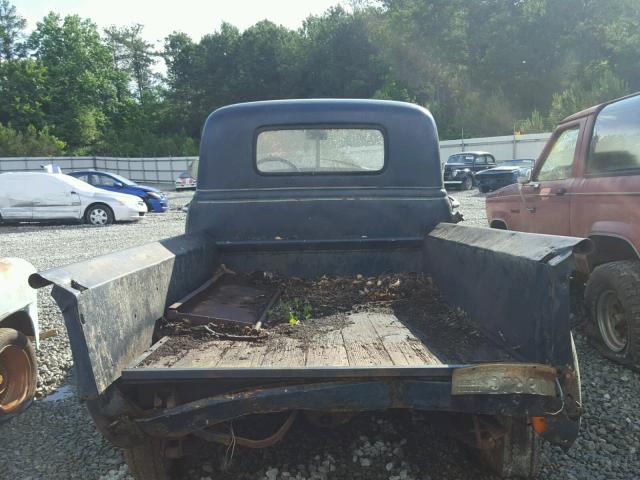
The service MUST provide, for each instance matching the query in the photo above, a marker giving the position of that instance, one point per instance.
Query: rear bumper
(453, 182)
(341, 396)
(524, 390)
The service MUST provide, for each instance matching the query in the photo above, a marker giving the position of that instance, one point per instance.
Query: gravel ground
(55, 438)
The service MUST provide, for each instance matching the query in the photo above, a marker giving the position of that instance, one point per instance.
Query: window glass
(615, 145)
(320, 150)
(481, 160)
(103, 181)
(83, 177)
(559, 162)
(460, 159)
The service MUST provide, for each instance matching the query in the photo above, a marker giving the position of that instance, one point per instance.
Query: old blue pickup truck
(321, 275)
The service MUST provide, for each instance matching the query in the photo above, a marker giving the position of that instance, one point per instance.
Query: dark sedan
(504, 174)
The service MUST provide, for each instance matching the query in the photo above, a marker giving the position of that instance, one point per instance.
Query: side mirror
(119, 184)
(524, 179)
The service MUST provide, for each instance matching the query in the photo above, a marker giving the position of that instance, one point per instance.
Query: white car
(186, 182)
(35, 196)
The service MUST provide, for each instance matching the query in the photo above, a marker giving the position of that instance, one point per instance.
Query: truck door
(55, 199)
(547, 197)
(606, 198)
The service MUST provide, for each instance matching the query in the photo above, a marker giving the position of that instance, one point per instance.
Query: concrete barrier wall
(508, 147)
(164, 170)
(157, 171)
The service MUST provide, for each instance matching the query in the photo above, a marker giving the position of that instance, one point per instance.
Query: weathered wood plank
(362, 343)
(403, 346)
(327, 349)
(368, 339)
(285, 352)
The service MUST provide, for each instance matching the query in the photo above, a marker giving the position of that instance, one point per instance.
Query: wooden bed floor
(365, 339)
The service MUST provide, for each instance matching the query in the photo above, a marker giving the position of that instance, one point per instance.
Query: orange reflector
(540, 424)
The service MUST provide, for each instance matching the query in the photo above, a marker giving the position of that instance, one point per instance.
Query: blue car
(155, 199)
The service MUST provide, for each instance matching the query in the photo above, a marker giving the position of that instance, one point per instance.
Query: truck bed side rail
(513, 285)
(110, 303)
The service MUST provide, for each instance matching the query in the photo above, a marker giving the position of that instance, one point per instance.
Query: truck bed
(386, 321)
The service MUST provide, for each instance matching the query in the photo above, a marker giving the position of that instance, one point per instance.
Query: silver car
(37, 196)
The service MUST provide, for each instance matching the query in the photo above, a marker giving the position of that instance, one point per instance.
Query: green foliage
(534, 124)
(132, 55)
(11, 32)
(604, 87)
(291, 310)
(30, 143)
(482, 67)
(82, 85)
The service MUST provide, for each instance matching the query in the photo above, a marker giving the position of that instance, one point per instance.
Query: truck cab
(586, 183)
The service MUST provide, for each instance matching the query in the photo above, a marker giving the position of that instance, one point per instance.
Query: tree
(338, 57)
(132, 55)
(83, 87)
(30, 143)
(12, 28)
(23, 93)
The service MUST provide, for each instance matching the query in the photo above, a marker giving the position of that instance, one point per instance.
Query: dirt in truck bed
(390, 319)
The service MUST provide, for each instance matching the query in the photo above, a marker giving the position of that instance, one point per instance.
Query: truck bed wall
(514, 286)
(111, 303)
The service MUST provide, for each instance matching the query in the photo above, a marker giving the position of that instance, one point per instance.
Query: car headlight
(154, 195)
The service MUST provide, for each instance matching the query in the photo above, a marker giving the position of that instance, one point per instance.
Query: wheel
(146, 461)
(517, 453)
(467, 184)
(99, 215)
(612, 298)
(18, 371)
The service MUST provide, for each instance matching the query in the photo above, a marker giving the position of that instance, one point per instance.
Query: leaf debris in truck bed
(308, 308)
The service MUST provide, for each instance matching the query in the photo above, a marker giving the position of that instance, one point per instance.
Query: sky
(161, 17)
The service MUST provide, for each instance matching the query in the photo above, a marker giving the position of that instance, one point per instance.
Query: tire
(612, 299)
(467, 184)
(99, 215)
(517, 453)
(18, 372)
(146, 461)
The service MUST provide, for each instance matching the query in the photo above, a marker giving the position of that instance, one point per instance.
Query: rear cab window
(320, 150)
(615, 143)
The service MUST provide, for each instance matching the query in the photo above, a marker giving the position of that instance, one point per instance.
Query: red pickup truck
(586, 183)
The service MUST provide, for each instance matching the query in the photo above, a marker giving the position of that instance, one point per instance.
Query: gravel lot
(55, 438)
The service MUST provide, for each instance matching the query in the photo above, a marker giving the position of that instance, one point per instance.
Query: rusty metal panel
(504, 378)
(226, 300)
(111, 303)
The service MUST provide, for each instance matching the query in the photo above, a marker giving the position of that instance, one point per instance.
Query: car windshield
(117, 177)
(185, 175)
(516, 163)
(460, 159)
